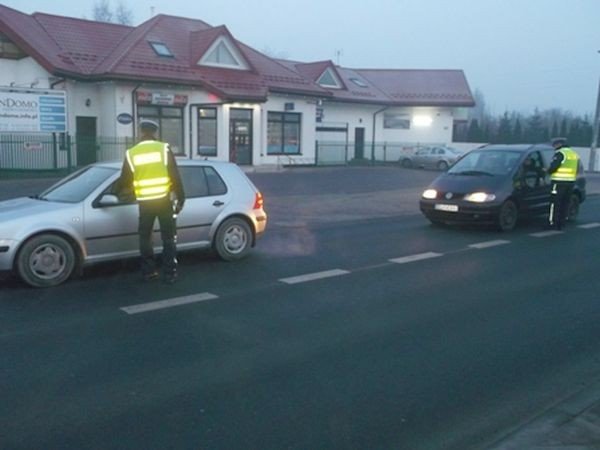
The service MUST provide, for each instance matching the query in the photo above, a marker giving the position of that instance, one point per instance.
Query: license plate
(448, 208)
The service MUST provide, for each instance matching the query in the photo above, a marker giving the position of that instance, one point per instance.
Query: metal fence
(342, 153)
(57, 151)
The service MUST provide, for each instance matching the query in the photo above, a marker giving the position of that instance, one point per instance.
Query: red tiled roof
(102, 51)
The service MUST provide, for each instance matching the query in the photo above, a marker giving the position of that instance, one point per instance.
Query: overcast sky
(520, 54)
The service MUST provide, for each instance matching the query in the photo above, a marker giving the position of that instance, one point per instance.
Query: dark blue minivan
(496, 184)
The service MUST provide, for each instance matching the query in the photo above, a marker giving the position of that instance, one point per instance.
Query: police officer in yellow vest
(563, 173)
(151, 169)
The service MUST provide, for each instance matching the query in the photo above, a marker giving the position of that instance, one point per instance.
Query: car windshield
(76, 187)
(486, 162)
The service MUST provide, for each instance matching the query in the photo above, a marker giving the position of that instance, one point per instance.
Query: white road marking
(314, 276)
(543, 234)
(417, 257)
(488, 244)
(589, 225)
(169, 303)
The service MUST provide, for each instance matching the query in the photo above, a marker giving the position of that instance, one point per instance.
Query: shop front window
(207, 132)
(283, 133)
(170, 121)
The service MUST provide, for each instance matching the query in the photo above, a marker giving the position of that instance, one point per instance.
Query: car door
(207, 195)
(421, 157)
(534, 184)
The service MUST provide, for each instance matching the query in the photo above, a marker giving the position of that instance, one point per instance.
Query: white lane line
(543, 234)
(589, 225)
(417, 257)
(169, 303)
(488, 244)
(314, 276)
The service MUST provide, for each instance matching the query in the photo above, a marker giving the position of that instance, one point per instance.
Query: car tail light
(258, 201)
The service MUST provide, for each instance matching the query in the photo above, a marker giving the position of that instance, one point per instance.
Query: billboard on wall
(33, 111)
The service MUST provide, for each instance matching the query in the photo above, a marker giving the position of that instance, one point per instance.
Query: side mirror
(108, 200)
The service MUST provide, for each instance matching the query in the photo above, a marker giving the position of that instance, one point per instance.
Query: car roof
(515, 147)
(180, 162)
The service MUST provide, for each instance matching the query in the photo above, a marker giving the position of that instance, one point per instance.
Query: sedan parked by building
(497, 184)
(435, 157)
(82, 220)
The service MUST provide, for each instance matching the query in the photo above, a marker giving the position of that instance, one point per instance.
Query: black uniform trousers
(559, 203)
(150, 210)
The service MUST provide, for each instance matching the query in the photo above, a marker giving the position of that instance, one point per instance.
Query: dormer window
(359, 82)
(222, 53)
(329, 79)
(161, 49)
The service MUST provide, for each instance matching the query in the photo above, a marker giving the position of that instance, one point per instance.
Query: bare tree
(102, 12)
(123, 14)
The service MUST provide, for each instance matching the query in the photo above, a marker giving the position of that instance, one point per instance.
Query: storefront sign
(160, 98)
(22, 111)
(124, 118)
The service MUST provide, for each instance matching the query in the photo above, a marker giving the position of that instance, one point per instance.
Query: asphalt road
(413, 337)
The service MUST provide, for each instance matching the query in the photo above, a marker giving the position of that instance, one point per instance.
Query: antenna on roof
(338, 53)
(151, 11)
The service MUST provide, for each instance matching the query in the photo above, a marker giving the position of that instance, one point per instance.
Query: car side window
(201, 182)
(216, 186)
(532, 170)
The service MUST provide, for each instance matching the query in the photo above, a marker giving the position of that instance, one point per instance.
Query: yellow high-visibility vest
(568, 168)
(148, 161)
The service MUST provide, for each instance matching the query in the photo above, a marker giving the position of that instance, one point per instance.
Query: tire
(233, 239)
(573, 208)
(442, 165)
(406, 163)
(508, 216)
(45, 260)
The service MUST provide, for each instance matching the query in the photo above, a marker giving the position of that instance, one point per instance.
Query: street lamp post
(592, 164)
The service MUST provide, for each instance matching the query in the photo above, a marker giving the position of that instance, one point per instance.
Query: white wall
(23, 73)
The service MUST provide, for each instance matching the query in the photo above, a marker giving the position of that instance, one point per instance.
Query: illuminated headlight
(480, 197)
(430, 194)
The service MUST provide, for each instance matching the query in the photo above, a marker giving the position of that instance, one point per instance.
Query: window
(223, 54)
(170, 122)
(396, 121)
(161, 49)
(283, 133)
(201, 182)
(328, 79)
(9, 50)
(359, 82)
(207, 132)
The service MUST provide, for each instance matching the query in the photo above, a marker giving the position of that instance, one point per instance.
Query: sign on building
(33, 111)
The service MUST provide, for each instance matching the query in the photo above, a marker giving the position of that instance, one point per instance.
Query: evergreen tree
(474, 133)
(518, 131)
(535, 128)
(563, 128)
(554, 132)
(504, 130)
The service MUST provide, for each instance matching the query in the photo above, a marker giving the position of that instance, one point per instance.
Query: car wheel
(46, 260)
(442, 165)
(508, 215)
(573, 208)
(406, 163)
(233, 239)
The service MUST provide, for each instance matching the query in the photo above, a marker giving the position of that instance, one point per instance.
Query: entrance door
(240, 136)
(85, 140)
(359, 143)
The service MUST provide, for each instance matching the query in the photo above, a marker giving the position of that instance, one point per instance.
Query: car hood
(21, 207)
(468, 183)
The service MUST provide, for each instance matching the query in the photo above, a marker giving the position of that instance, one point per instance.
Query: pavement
(573, 423)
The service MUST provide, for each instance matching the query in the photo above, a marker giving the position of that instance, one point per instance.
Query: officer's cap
(148, 125)
(559, 141)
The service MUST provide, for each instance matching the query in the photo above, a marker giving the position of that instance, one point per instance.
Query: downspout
(373, 135)
(54, 83)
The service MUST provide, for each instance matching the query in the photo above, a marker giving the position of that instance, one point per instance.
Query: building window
(283, 133)
(207, 132)
(396, 121)
(170, 121)
(359, 82)
(9, 50)
(161, 49)
(223, 53)
(328, 79)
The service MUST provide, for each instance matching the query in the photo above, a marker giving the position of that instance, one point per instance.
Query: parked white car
(82, 220)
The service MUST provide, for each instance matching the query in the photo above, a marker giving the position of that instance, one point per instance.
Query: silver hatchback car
(82, 220)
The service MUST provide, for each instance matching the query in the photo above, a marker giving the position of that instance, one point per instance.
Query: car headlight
(480, 197)
(430, 194)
